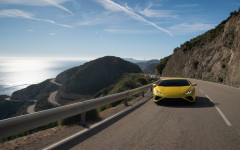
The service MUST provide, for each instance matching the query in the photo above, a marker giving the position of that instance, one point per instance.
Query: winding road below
(213, 122)
(31, 108)
(51, 99)
(52, 96)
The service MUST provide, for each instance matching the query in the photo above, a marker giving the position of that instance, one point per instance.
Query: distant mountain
(212, 56)
(147, 63)
(133, 60)
(83, 81)
(148, 67)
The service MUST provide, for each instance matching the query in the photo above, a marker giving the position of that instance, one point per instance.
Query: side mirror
(154, 85)
(194, 84)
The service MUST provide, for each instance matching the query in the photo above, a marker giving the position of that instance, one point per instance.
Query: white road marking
(201, 90)
(209, 98)
(221, 113)
(223, 116)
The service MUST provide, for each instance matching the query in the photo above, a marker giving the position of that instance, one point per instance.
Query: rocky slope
(214, 55)
(84, 81)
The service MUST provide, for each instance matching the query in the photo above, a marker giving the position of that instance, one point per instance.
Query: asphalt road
(31, 108)
(52, 96)
(213, 122)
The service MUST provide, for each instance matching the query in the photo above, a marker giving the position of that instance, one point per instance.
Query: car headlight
(188, 92)
(158, 92)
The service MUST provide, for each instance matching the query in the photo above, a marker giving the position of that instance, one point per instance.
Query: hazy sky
(140, 29)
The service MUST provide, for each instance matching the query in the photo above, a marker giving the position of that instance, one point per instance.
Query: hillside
(84, 81)
(212, 56)
(126, 82)
(35, 91)
(148, 67)
(12, 108)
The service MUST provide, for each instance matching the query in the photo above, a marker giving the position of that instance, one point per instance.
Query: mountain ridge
(212, 56)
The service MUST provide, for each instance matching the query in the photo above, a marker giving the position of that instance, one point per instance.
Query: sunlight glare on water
(18, 73)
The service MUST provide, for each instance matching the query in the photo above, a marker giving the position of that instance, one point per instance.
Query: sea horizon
(19, 72)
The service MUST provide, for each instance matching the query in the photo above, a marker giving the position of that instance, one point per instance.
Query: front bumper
(157, 98)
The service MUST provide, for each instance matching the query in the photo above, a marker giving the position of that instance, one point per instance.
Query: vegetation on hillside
(13, 108)
(43, 104)
(126, 82)
(98, 74)
(207, 37)
(35, 91)
(162, 64)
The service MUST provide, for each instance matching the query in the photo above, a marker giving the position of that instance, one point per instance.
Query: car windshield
(174, 83)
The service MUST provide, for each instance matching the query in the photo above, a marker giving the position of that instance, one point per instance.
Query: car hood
(173, 90)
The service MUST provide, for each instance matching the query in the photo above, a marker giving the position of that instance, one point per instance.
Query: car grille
(173, 99)
(157, 97)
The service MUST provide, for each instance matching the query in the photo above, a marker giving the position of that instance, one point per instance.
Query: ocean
(18, 73)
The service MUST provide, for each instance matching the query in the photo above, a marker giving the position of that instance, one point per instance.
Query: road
(52, 96)
(213, 122)
(31, 108)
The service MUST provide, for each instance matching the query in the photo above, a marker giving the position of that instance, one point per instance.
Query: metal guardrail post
(83, 118)
(142, 93)
(126, 101)
(151, 89)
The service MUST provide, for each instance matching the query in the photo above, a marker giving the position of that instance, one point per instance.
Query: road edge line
(221, 113)
(223, 116)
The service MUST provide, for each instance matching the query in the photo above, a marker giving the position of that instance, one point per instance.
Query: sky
(88, 29)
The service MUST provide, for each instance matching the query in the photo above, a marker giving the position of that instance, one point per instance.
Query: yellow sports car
(174, 89)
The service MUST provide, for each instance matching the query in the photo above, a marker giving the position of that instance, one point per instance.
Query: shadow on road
(201, 102)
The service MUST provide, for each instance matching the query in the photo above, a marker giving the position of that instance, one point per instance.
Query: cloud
(90, 22)
(124, 31)
(29, 30)
(186, 28)
(55, 3)
(151, 13)
(22, 14)
(114, 7)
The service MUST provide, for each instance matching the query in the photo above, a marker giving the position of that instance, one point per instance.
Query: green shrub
(162, 64)
(92, 114)
(142, 80)
(114, 104)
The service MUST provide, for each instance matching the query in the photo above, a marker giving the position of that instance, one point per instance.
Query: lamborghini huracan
(174, 89)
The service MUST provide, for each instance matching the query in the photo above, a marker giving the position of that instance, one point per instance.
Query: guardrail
(18, 124)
